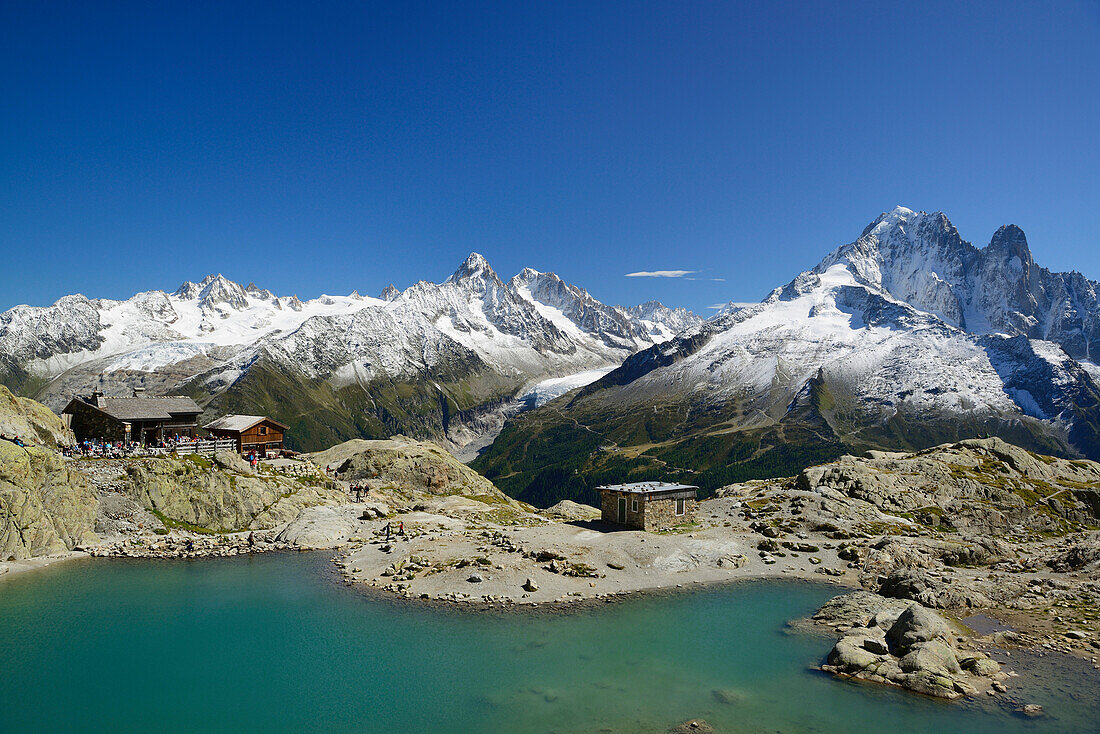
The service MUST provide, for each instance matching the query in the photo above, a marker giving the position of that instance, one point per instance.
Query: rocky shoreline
(978, 527)
(189, 545)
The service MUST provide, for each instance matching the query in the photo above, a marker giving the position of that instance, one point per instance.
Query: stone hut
(251, 432)
(140, 418)
(647, 505)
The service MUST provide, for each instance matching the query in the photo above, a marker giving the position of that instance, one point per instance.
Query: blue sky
(328, 147)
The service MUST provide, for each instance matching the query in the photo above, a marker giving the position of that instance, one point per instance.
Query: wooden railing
(203, 448)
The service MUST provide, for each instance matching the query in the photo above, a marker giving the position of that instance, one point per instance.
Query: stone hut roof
(647, 487)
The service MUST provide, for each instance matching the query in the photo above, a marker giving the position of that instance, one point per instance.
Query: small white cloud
(660, 273)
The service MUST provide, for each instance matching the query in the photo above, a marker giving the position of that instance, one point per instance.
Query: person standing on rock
(251, 540)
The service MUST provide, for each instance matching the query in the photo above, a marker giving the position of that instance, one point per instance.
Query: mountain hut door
(622, 510)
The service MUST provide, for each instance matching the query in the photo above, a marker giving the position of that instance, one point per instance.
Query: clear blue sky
(320, 147)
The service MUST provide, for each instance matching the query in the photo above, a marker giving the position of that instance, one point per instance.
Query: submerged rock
(727, 696)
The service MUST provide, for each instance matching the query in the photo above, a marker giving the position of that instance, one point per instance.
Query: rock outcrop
(45, 507)
(403, 467)
(569, 510)
(193, 491)
(978, 488)
(902, 644)
(33, 422)
(321, 527)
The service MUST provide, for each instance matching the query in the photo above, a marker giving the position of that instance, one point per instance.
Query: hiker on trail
(251, 540)
(388, 531)
(401, 529)
(358, 491)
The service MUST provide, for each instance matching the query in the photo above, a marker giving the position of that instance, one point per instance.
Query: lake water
(273, 643)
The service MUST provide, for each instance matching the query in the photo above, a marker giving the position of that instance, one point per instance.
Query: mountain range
(440, 360)
(905, 338)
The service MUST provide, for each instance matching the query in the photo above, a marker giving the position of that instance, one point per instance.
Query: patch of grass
(200, 461)
(169, 522)
(580, 570)
(488, 499)
(684, 527)
(1072, 484)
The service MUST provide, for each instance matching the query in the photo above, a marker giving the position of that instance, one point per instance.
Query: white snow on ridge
(350, 339)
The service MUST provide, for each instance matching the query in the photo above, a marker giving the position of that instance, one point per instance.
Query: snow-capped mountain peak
(906, 337)
(1008, 242)
(475, 267)
(217, 290)
(214, 332)
(920, 259)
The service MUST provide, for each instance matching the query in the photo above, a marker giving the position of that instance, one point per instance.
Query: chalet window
(634, 504)
(680, 504)
(263, 430)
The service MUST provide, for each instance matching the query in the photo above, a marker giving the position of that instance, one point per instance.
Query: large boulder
(917, 624)
(909, 648)
(45, 507)
(933, 656)
(33, 422)
(571, 511)
(858, 609)
(850, 655)
(320, 527)
(232, 461)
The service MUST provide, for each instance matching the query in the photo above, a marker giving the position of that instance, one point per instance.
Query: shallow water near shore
(274, 643)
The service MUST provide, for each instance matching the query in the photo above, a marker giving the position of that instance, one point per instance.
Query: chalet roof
(240, 423)
(147, 409)
(646, 487)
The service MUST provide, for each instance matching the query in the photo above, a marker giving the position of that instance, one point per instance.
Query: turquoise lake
(273, 643)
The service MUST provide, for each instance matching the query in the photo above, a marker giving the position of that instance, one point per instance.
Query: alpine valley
(445, 361)
(904, 339)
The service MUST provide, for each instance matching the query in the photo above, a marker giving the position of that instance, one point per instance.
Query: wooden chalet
(147, 420)
(251, 432)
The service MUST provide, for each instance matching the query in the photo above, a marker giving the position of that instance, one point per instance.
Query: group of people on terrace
(114, 449)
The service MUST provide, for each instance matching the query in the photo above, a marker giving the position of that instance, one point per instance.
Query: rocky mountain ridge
(463, 345)
(903, 339)
(920, 259)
